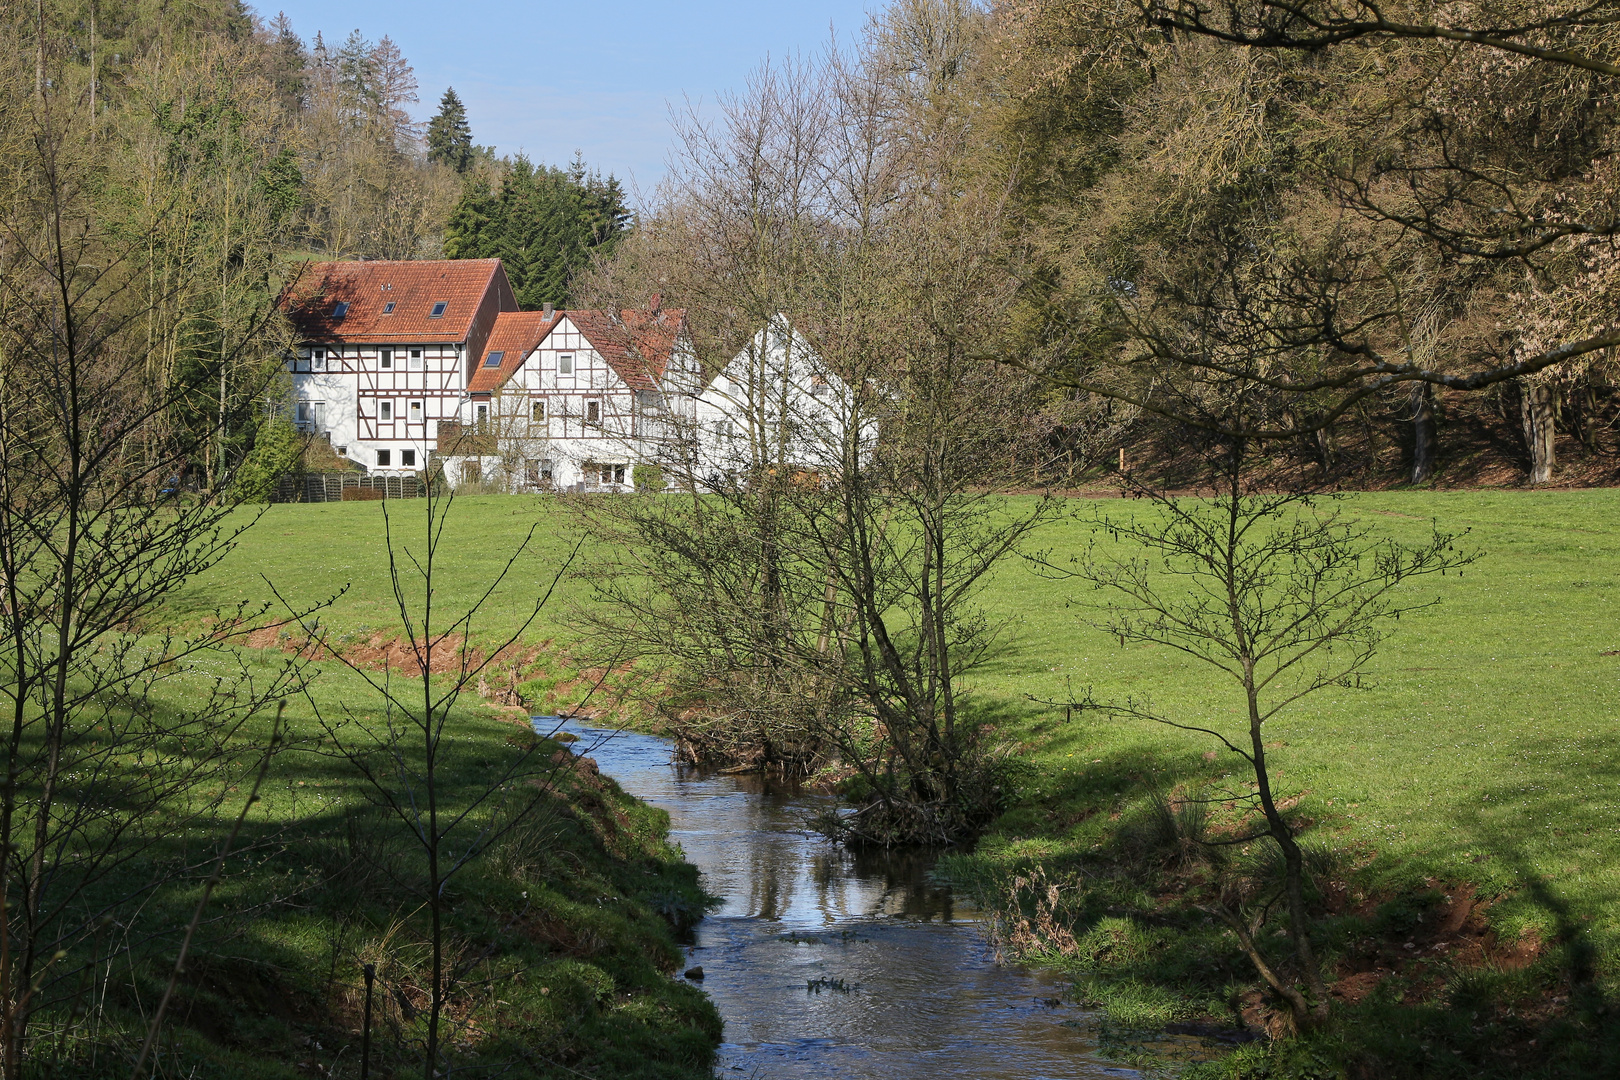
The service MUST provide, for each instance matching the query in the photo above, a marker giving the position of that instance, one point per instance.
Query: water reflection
(834, 964)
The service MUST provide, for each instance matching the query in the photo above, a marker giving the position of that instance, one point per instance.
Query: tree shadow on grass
(319, 880)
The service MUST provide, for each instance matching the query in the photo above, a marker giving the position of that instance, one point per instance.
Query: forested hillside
(1363, 229)
(221, 152)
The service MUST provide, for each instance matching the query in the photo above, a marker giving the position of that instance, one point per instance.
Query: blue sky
(549, 78)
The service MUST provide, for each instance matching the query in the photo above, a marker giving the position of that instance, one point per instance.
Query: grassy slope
(565, 921)
(1483, 753)
(569, 964)
(1488, 729)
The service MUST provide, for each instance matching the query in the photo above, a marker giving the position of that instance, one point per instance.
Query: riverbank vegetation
(1459, 797)
(558, 937)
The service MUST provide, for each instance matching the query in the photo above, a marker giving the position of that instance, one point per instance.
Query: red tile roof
(515, 336)
(637, 344)
(413, 288)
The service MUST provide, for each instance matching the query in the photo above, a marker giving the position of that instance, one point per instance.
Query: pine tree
(543, 223)
(449, 137)
(357, 77)
(395, 83)
(287, 61)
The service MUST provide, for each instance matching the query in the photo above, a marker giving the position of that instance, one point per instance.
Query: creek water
(840, 965)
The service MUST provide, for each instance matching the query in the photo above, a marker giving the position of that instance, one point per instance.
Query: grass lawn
(314, 552)
(560, 932)
(1488, 736)
(1483, 753)
(1478, 767)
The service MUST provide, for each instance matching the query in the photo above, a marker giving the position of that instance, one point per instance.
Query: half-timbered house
(401, 363)
(573, 400)
(384, 348)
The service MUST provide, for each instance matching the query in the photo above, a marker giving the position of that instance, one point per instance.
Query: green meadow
(1480, 753)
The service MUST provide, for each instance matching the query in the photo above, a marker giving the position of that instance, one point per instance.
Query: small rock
(694, 973)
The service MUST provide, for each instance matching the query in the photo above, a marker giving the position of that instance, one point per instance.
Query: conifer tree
(542, 222)
(449, 137)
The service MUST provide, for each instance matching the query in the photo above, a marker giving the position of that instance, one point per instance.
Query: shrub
(648, 478)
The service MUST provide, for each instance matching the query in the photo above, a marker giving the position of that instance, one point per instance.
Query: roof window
(340, 309)
(438, 309)
(388, 308)
(494, 359)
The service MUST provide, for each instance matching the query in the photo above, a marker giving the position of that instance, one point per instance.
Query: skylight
(388, 308)
(340, 309)
(494, 359)
(438, 309)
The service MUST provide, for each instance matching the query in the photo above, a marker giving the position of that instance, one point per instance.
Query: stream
(834, 964)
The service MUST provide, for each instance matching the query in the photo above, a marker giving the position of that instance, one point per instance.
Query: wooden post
(1122, 461)
(365, 1031)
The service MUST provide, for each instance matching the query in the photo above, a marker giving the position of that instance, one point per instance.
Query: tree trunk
(1422, 433)
(1536, 408)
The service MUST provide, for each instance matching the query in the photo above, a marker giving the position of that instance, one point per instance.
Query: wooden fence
(344, 487)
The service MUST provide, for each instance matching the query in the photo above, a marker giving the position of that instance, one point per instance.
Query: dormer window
(388, 308)
(494, 359)
(340, 309)
(438, 309)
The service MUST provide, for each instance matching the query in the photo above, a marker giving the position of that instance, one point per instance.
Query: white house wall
(421, 384)
(576, 445)
(352, 385)
(777, 377)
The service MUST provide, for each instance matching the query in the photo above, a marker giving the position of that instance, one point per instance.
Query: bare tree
(119, 745)
(841, 508)
(1356, 215)
(403, 761)
(1282, 595)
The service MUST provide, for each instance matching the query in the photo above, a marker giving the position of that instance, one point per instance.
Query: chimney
(655, 303)
(549, 312)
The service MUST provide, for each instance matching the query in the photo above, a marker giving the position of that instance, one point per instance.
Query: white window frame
(565, 363)
(416, 360)
(385, 360)
(385, 410)
(414, 412)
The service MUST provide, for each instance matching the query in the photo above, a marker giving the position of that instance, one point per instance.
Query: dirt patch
(1455, 932)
